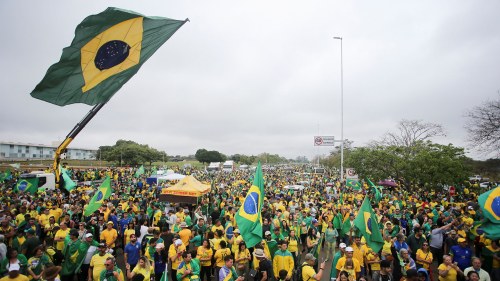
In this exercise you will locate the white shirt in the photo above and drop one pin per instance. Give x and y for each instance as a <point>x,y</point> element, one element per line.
<point>483,274</point>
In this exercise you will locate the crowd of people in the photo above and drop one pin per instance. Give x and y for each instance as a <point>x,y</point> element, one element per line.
<point>307,234</point>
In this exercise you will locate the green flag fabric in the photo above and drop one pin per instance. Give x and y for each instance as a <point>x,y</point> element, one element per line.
<point>7,175</point>
<point>375,190</point>
<point>248,218</point>
<point>139,171</point>
<point>366,222</point>
<point>27,185</point>
<point>102,193</point>
<point>317,248</point>
<point>69,184</point>
<point>108,49</point>
<point>164,276</point>
<point>354,184</point>
<point>490,205</point>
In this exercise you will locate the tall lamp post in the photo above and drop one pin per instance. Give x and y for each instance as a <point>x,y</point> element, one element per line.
<point>341,111</point>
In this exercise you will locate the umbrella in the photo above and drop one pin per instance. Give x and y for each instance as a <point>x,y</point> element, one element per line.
<point>388,182</point>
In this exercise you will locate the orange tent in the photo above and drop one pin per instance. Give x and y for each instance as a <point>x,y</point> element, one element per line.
<point>186,190</point>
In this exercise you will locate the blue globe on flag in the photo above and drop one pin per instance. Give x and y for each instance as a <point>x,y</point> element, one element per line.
<point>369,224</point>
<point>22,186</point>
<point>251,205</point>
<point>99,196</point>
<point>495,205</point>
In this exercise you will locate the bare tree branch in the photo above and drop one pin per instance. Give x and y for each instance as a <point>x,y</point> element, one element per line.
<point>410,132</point>
<point>483,127</point>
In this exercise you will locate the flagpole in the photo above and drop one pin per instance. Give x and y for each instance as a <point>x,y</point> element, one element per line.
<point>341,111</point>
<point>70,137</point>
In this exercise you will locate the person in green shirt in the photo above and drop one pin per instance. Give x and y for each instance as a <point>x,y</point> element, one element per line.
<point>188,269</point>
<point>112,272</point>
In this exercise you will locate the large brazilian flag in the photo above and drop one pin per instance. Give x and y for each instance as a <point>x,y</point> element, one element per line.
<point>27,185</point>
<point>102,193</point>
<point>490,205</point>
<point>108,49</point>
<point>366,222</point>
<point>249,218</point>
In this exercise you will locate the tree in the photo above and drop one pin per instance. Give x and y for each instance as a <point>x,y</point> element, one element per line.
<point>410,132</point>
<point>483,127</point>
<point>130,153</point>
<point>424,163</point>
<point>205,156</point>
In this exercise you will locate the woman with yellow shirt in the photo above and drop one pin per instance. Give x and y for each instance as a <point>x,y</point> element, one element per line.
<point>424,256</point>
<point>293,245</point>
<point>205,253</point>
<point>241,258</point>
<point>143,267</point>
<point>130,230</point>
<point>448,271</point>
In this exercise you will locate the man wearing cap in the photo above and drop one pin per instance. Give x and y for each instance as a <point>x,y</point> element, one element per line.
<point>91,247</point>
<point>97,263</point>
<point>336,257</point>
<point>461,254</point>
<point>308,272</point>
<point>175,256</point>
<point>283,260</point>
<point>185,234</point>
<point>265,268</point>
<point>14,274</point>
<point>349,251</point>
<point>109,235</point>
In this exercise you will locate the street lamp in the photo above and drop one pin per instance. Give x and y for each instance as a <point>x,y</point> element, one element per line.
<point>341,111</point>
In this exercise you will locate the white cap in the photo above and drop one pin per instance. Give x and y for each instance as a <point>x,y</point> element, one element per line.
<point>161,245</point>
<point>88,235</point>
<point>349,249</point>
<point>178,242</point>
<point>342,245</point>
<point>267,233</point>
<point>470,208</point>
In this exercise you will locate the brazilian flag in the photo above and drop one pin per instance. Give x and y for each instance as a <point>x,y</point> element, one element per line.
<point>102,193</point>
<point>108,49</point>
<point>354,184</point>
<point>27,185</point>
<point>248,218</point>
<point>366,222</point>
<point>139,171</point>
<point>490,205</point>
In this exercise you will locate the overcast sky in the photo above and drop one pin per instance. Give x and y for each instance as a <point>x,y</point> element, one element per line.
<point>262,76</point>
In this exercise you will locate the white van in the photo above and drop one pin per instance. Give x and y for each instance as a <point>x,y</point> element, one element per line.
<point>45,181</point>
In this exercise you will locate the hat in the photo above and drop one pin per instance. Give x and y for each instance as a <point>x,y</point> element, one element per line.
<point>236,231</point>
<point>183,224</point>
<point>309,257</point>
<point>186,211</point>
<point>14,267</point>
<point>161,245</point>
<point>110,222</point>
<point>51,272</point>
<point>470,208</point>
<point>314,221</point>
<point>267,233</point>
<point>259,253</point>
<point>30,231</point>
<point>453,232</point>
<point>102,245</point>
<point>177,242</point>
<point>88,235</point>
<point>460,240</point>
<point>342,245</point>
<point>349,249</point>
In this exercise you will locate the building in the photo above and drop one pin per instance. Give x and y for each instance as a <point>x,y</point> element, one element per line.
<point>30,151</point>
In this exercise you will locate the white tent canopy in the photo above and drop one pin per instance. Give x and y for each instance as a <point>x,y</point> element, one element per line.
<point>171,177</point>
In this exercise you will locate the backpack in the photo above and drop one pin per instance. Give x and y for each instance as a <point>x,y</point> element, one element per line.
<point>145,241</point>
<point>297,274</point>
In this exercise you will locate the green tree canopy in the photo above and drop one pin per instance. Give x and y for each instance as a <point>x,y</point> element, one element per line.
<point>205,156</point>
<point>130,153</point>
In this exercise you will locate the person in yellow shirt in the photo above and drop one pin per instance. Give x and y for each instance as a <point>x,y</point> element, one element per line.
<point>109,235</point>
<point>56,212</point>
<point>448,271</point>
<point>185,234</point>
<point>219,257</point>
<point>14,274</point>
<point>175,256</point>
<point>60,236</point>
<point>43,219</point>
<point>205,253</point>
<point>97,262</point>
<point>20,216</point>
<point>143,267</point>
<point>360,250</point>
<point>105,211</point>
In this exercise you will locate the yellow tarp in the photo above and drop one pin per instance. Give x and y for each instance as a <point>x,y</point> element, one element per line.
<point>188,186</point>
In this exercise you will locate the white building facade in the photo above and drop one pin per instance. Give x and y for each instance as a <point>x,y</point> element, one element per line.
<point>30,151</point>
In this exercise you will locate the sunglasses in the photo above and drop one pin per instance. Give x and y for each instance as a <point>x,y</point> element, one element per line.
<point>106,264</point>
